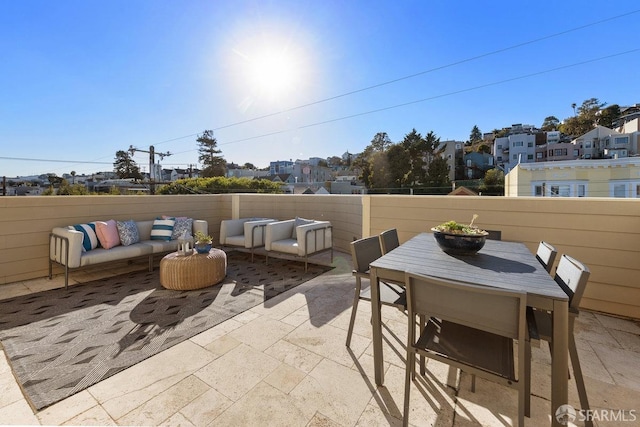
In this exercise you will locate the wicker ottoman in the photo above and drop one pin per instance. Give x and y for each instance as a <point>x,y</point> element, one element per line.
<point>193,271</point>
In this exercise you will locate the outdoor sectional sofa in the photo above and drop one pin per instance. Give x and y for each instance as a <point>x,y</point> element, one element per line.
<point>299,237</point>
<point>94,243</point>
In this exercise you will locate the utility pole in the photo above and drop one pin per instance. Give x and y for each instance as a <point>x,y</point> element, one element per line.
<point>152,162</point>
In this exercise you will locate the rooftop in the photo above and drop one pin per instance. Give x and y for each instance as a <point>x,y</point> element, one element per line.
<point>297,370</point>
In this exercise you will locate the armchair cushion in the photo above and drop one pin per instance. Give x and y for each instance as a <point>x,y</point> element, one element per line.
<point>299,221</point>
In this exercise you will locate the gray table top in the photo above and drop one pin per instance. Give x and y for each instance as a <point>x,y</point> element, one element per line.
<point>507,265</point>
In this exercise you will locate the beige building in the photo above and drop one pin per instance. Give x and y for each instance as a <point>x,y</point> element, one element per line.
<point>576,178</point>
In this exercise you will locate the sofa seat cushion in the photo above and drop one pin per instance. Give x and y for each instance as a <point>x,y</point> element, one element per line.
<point>116,253</point>
<point>289,246</point>
<point>159,246</point>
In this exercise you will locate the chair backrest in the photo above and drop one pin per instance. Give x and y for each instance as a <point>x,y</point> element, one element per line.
<point>546,254</point>
<point>572,276</point>
<point>389,240</point>
<point>364,251</point>
<point>494,234</point>
<point>494,310</point>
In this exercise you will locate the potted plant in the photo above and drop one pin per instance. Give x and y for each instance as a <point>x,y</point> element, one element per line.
<point>460,239</point>
<point>203,242</point>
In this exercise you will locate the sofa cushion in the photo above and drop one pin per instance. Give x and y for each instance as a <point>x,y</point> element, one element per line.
<point>107,232</point>
<point>89,236</point>
<point>162,229</point>
<point>182,225</point>
<point>299,221</point>
<point>128,232</point>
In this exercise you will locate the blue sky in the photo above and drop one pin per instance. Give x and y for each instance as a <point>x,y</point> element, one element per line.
<point>82,79</point>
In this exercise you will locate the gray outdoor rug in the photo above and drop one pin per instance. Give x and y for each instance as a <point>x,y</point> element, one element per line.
<point>60,342</point>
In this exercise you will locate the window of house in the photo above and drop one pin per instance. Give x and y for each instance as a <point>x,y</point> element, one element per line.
<point>499,158</point>
<point>518,143</point>
<point>560,191</point>
<point>499,146</point>
<point>514,157</point>
<point>529,156</point>
<point>587,145</point>
<point>449,156</point>
<point>490,161</point>
<point>557,152</point>
<point>539,155</point>
<point>576,152</point>
<point>530,144</point>
<point>637,190</point>
<point>619,190</point>
<point>468,163</point>
<point>581,190</point>
<point>621,140</point>
<point>539,191</point>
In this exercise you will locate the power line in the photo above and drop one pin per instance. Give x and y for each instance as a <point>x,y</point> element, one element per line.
<point>420,73</point>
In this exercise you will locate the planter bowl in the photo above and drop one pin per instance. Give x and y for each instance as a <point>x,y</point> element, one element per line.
<point>203,248</point>
<point>459,244</point>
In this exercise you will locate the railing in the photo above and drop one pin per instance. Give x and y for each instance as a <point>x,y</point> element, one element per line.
<point>601,232</point>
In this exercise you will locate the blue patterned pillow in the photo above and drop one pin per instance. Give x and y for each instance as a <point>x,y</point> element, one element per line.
<point>128,232</point>
<point>89,236</point>
<point>162,229</point>
<point>181,226</point>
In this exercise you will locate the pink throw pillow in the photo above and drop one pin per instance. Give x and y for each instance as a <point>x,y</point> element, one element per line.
<point>107,233</point>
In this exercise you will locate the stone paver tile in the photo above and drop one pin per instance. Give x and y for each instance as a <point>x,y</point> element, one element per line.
<point>285,378</point>
<point>282,305</point>
<point>95,416</point>
<point>320,420</point>
<point>264,405</point>
<point>627,340</point>
<point>297,318</point>
<point>373,416</point>
<point>204,409</point>
<point>328,341</point>
<point>207,337</point>
<point>18,413</point>
<point>618,324</point>
<point>588,328</point>
<point>297,357</point>
<point>617,362</point>
<point>247,316</point>
<point>495,405</point>
<point>133,387</point>
<point>178,420</point>
<point>9,390</point>
<point>16,289</point>
<point>334,390</point>
<point>237,371</point>
<point>166,404</point>
<point>67,409</point>
<point>222,345</point>
<point>261,333</point>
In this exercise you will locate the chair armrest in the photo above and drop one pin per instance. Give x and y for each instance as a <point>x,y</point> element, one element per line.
<point>231,227</point>
<point>254,232</point>
<point>314,237</point>
<point>58,240</point>
<point>278,230</point>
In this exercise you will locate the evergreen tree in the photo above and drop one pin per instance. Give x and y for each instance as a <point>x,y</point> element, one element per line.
<point>213,164</point>
<point>125,167</point>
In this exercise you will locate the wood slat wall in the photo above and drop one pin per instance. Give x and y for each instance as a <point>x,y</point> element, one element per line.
<point>604,233</point>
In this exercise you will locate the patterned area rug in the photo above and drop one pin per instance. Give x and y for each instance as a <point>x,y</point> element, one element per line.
<point>60,342</point>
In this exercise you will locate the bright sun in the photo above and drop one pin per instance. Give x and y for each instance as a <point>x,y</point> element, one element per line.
<point>270,68</point>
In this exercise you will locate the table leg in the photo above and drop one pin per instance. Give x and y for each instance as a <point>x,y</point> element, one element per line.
<point>376,324</point>
<point>559,359</point>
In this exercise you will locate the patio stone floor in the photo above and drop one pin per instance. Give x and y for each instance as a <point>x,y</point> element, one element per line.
<point>286,363</point>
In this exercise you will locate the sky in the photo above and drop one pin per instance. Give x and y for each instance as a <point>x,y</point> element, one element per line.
<point>286,80</point>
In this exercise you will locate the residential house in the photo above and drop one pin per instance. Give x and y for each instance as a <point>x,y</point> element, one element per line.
<point>477,164</point>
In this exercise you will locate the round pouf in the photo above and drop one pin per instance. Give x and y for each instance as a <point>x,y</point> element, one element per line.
<point>194,271</point>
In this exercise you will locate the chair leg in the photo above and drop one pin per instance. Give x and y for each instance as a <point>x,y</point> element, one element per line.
<point>409,375</point>
<point>577,373</point>
<point>423,324</point>
<point>356,299</point>
<point>527,378</point>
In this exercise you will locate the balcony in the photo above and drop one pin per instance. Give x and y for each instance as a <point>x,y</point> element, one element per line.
<point>314,379</point>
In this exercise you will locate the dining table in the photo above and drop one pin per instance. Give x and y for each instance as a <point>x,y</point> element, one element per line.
<point>500,264</point>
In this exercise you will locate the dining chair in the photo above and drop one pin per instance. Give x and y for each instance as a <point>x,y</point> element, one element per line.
<point>389,240</point>
<point>572,276</point>
<point>363,252</point>
<point>546,255</point>
<point>471,328</point>
<point>494,234</point>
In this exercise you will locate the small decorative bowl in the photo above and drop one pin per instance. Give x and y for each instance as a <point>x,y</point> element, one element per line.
<point>459,244</point>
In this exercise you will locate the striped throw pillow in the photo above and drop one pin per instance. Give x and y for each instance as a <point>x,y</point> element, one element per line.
<point>162,229</point>
<point>89,237</point>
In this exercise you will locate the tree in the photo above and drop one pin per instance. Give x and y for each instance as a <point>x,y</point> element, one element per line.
<point>248,166</point>
<point>550,123</point>
<point>493,183</point>
<point>586,120</point>
<point>609,115</point>
<point>438,173</point>
<point>73,177</point>
<point>475,136</point>
<point>381,142</point>
<point>125,167</point>
<point>213,164</point>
